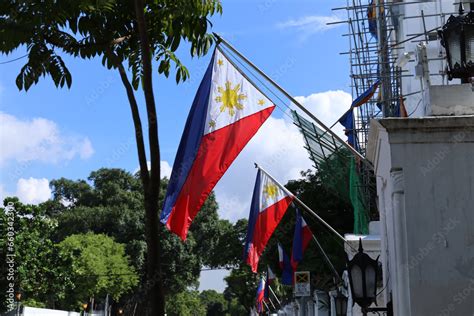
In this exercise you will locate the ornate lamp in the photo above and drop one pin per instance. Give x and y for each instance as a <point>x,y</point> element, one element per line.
<point>457,37</point>
<point>362,271</point>
<point>341,304</point>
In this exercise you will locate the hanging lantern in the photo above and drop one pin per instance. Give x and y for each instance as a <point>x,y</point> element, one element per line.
<point>457,37</point>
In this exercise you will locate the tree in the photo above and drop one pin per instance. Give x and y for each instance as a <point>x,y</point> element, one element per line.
<point>118,31</point>
<point>186,303</point>
<point>113,206</point>
<point>35,264</point>
<point>242,285</point>
<point>215,302</point>
<point>97,266</point>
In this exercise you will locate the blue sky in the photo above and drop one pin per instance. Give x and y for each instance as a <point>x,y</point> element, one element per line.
<point>47,133</point>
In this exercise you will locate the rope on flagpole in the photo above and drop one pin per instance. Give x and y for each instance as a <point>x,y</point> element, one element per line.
<point>293,100</point>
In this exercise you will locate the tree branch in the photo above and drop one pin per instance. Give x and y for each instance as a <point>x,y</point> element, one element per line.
<point>144,175</point>
<point>149,100</point>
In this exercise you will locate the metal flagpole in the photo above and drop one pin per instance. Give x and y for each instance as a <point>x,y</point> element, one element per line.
<point>293,100</point>
<point>271,302</point>
<point>327,259</point>
<point>304,206</point>
<point>276,297</point>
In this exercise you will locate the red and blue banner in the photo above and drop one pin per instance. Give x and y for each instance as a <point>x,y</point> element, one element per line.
<point>270,277</point>
<point>366,95</point>
<point>226,113</point>
<point>269,204</point>
<point>301,240</point>
<point>285,265</point>
<point>260,295</point>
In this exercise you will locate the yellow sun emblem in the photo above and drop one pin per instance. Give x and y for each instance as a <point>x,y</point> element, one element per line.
<point>230,98</point>
<point>271,191</point>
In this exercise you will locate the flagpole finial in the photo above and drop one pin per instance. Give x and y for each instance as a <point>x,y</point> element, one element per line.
<point>256,165</point>
<point>218,38</point>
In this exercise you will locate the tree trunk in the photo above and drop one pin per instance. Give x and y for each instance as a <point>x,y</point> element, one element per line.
<point>155,299</point>
<point>155,295</point>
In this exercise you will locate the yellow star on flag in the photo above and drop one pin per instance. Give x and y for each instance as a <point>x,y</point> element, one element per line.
<point>220,62</point>
<point>230,98</point>
<point>261,102</point>
<point>271,191</point>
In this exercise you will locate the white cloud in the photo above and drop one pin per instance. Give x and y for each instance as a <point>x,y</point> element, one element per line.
<point>310,25</point>
<point>165,169</point>
<point>328,107</point>
<point>38,139</point>
<point>279,148</point>
<point>164,166</point>
<point>33,191</point>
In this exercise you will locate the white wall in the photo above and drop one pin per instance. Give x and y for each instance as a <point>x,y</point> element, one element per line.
<point>425,184</point>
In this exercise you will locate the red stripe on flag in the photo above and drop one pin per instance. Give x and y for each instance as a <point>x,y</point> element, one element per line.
<point>265,225</point>
<point>216,153</point>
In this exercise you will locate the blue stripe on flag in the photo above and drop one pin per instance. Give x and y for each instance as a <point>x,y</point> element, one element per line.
<point>189,144</point>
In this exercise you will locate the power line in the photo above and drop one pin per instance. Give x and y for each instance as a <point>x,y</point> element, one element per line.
<point>10,61</point>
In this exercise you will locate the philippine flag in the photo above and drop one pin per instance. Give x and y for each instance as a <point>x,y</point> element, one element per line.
<point>269,204</point>
<point>260,295</point>
<point>301,240</point>
<point>226,113</point>
<point>270,277</point>
<point>285,265</point>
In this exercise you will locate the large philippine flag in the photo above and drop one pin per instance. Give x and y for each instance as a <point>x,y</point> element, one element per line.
<point>226,113</point>
<point>269,204</point>
<point>301,240</point>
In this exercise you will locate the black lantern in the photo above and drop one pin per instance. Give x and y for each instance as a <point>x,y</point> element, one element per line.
<point>363,278</point>
<point>341,304</point>
<point>457,37</point>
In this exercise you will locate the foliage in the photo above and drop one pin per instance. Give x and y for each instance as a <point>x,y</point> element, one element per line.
<point>241,285</point>
<point>186,303</point>
<point>215,302</point>
<point>36,259</point>
<point>90,28</point>
<point>97,266</point>
<point>113,206</point>
<point>236,309</point>
<point>109,202</point>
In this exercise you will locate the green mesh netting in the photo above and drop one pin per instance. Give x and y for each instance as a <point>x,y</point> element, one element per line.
<point>361,217</point>
<point>337,169</point>
<point>334,174</point>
